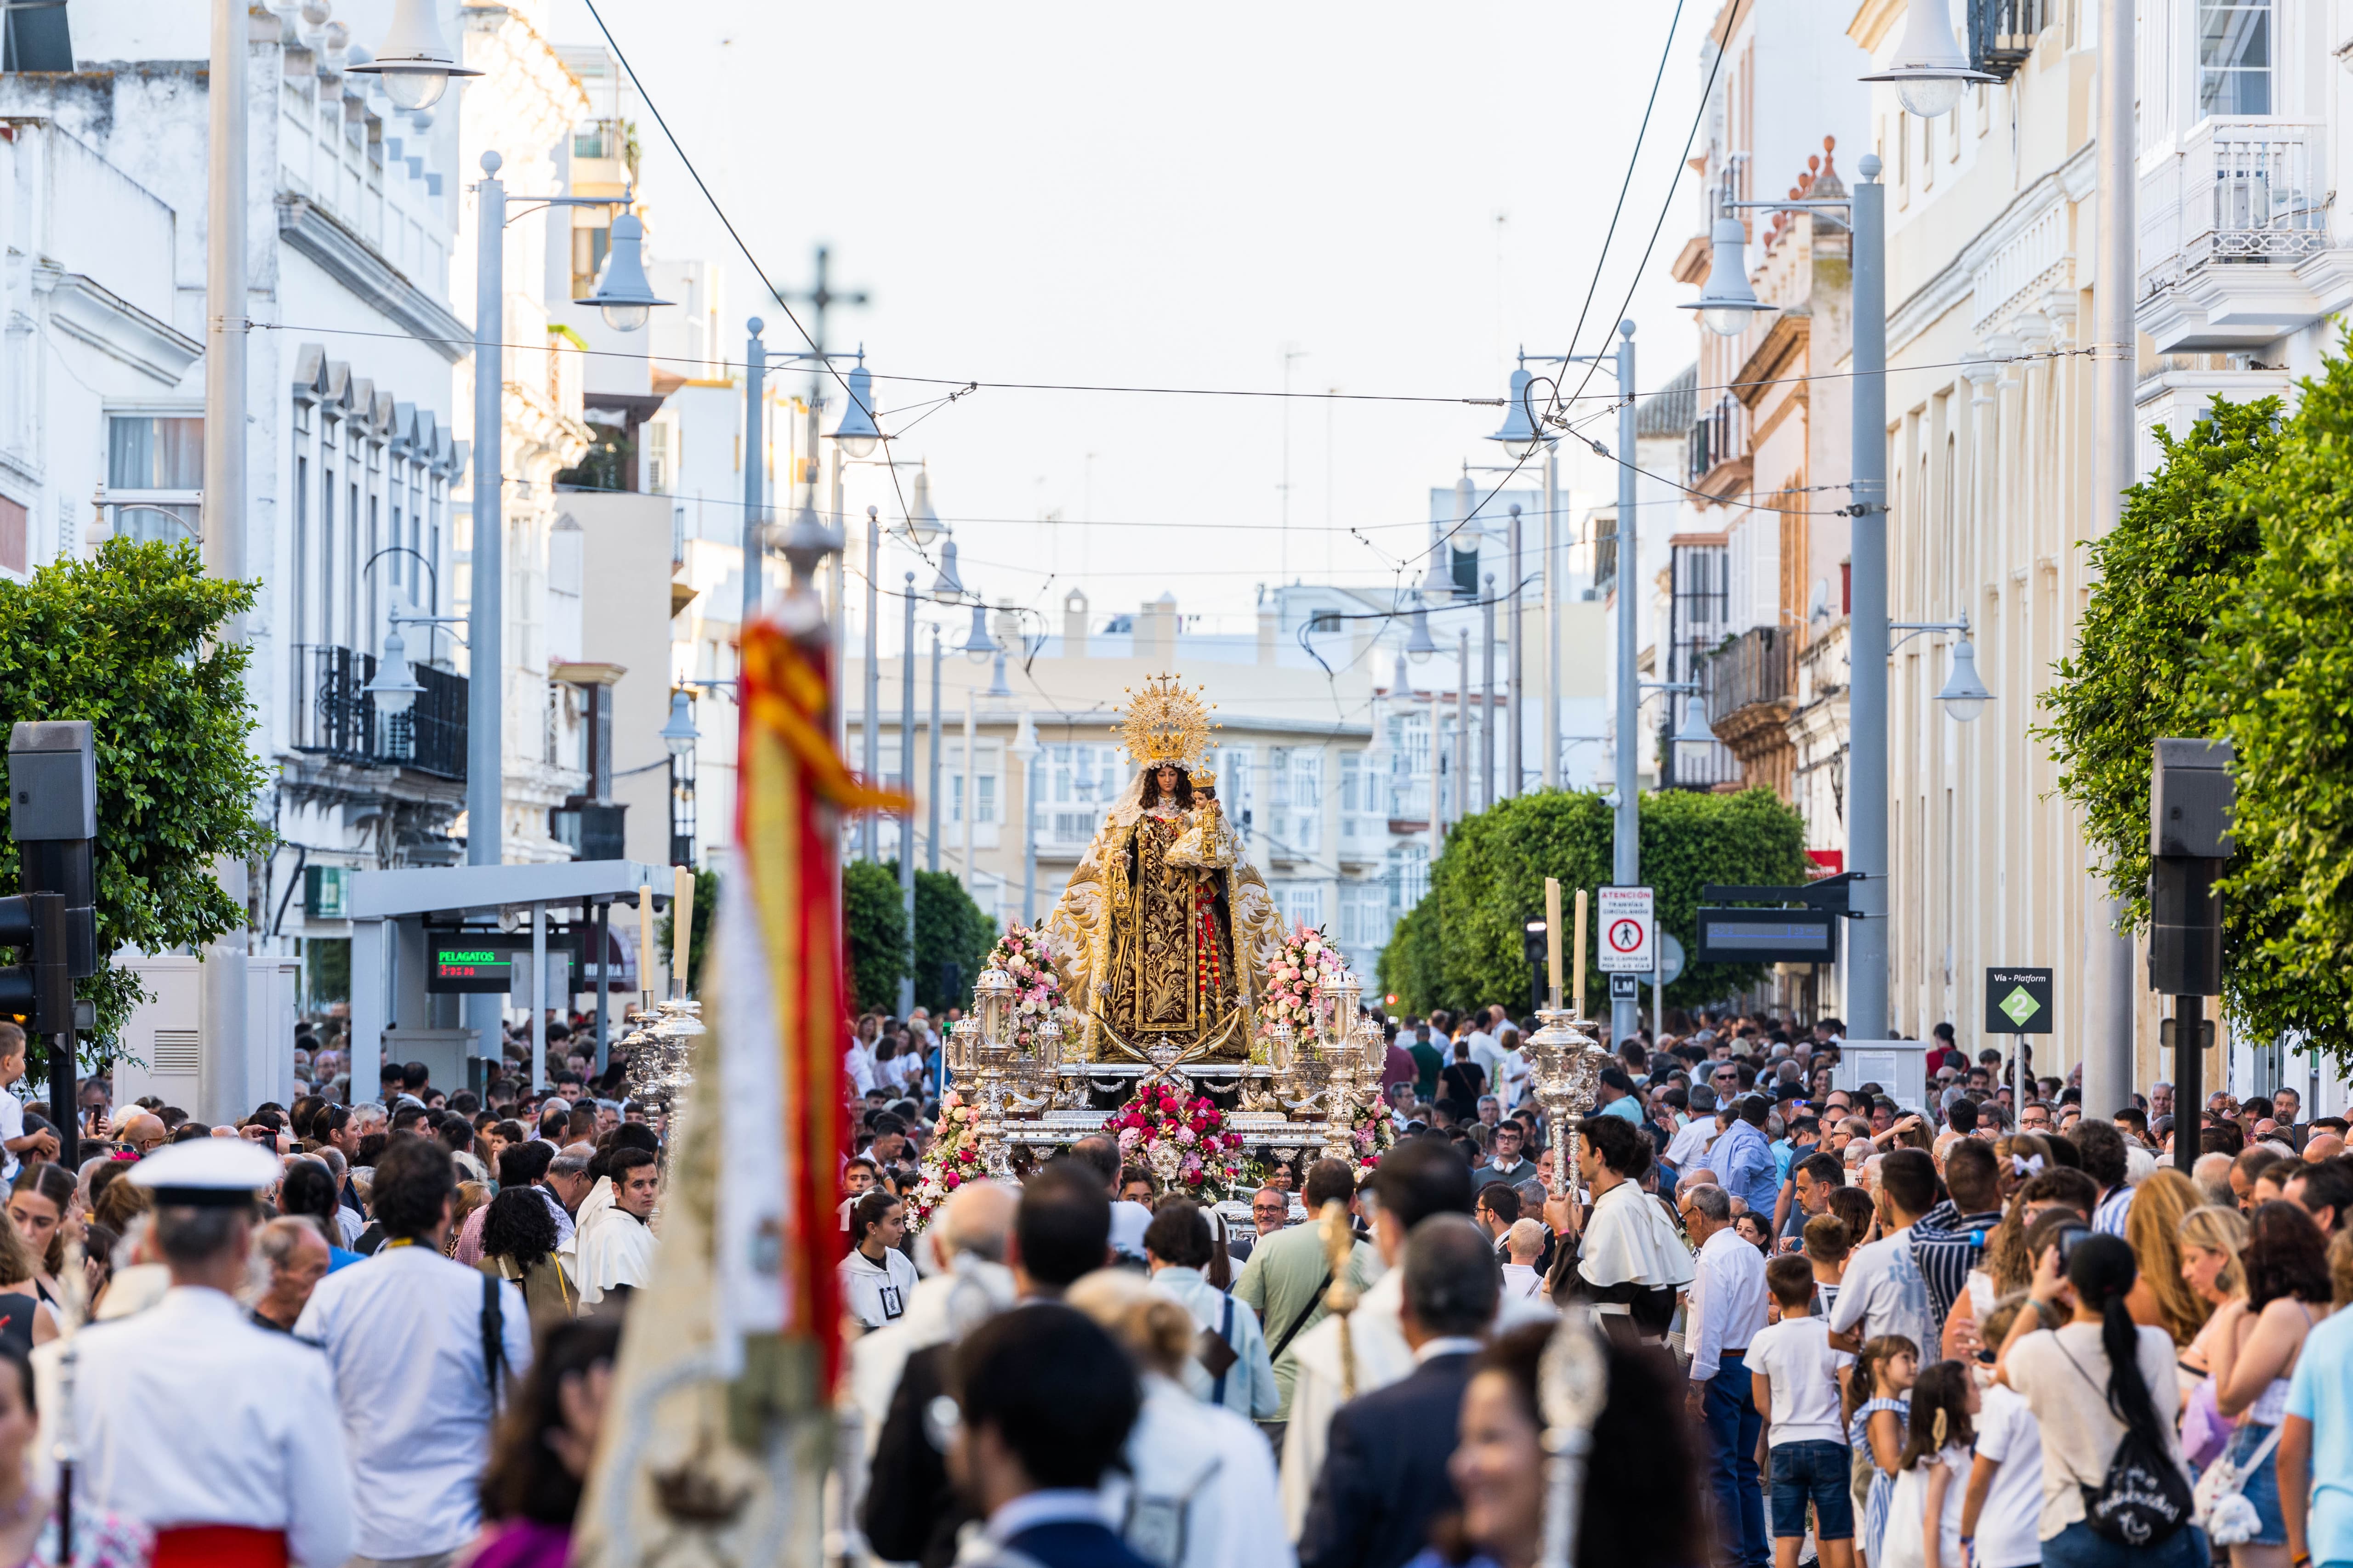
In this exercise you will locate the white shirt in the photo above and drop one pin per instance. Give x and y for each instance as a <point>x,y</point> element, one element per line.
<point>1202,1488</point>
<point>12,1127</point>
<point>1795,1354</point>
<point>1249,1383</point>
<point>1488,1052</point>
<point>876,1293</point>
<point>2009,1435</point>
<point>1522,1280</point>
<point>403,1332</point>
<point>1728,1301</point>
<point>858,1066</point>
<point>1885,1292</point>
<point>1511,1073</point>
<point>187,1414</point>
<point>1689,1146</point>
<point>1129,1221</point>
<point>562,1216</point>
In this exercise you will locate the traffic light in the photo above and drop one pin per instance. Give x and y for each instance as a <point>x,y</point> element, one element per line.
<point>40,989</point>
<point>53,818</point>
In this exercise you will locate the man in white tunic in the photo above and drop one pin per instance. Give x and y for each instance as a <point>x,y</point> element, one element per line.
<point>616,1245</point>
<point>1630,1262</point>
<point>424,1349</point>
<point>1420,1177</point>
<point>191,1420</point>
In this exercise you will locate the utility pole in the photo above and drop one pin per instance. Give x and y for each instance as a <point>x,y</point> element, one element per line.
<point>1552,594</point>
<point>907,783</point>
<point>1866,793</point>
<point>485,657</point>
<point>2109,995</point>
<point>1487,700</point>
<point>1514,780</point>
<point>932,795</point>
<point>1462,723</point>
<point>821,298</point>
<point>869,831</point>
<point>1626,841</point>
<point>222,976</point>
<point>756,429</point>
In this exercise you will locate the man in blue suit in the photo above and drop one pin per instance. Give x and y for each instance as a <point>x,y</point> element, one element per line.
<point>1384,1477</point>
<point>1045,1400</point>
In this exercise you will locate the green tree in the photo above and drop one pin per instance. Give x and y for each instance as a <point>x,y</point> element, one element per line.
<point>129,641</point>
<point>949,928</point>
<point>2183,549</point>
<point>2276,674</point>
<point>1464,944</point>
<point>876,925</point>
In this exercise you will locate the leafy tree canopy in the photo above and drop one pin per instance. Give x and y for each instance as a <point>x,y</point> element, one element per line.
<point>127,640</point>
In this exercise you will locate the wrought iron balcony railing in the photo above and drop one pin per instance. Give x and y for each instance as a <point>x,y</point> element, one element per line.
<point>333,714</point>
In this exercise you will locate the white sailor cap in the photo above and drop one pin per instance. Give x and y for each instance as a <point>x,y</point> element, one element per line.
<point>207,1172</point>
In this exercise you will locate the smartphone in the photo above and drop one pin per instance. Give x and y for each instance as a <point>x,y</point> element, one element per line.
<point>2069,1239</point>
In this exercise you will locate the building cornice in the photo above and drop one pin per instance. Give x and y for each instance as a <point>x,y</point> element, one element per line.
<point>310,231</point>
<point>1927,304</point>
<point>89,312</point>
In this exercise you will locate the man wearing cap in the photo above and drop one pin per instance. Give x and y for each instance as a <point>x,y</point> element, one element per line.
<point>190,1419</point>
<point>423,1349</point>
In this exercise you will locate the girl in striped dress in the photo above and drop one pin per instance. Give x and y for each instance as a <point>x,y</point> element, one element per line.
<point>1884,1372</point>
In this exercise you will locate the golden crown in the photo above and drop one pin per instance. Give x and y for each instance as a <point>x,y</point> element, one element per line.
<point>1165,723</point>
<point>1202,777</point>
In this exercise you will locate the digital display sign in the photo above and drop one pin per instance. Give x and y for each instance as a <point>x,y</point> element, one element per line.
<point>469,962</point>
<point>1767,936</point>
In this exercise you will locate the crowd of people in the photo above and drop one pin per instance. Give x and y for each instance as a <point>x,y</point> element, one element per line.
<point>1968,1332</point>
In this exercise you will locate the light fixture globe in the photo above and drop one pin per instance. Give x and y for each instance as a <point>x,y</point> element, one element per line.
<point>948,586</point>
<point>1928,70</point>
<point>679,734</point>
<point>1963,696</point>
<point>1419,646</point>
<point>1727,304</point>
<point>978,645</point>
<point>622,293</point>
<point>394,686</point>
<point>924,523</point>
<point>1694,731</point>
<point>1519,435</point>
<point>416,63</point>
<point>857,433</point>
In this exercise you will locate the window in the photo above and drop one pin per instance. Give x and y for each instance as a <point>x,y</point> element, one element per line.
<point>15,546</point>
<point>588,246</point>
<point>1304,767</point>
<point>154,475</point>
<point>2235,57</point>
<point>1304,906</point>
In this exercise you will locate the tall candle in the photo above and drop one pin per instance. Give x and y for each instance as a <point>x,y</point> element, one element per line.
<point>682,927</point>
<point>645,939</point>
<point>1552,936</point>
<point>1581,953</point>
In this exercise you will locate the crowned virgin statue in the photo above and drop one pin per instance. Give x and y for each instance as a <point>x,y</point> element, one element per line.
<point>1164,928</point>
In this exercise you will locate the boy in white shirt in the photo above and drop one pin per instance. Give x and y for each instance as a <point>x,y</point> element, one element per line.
<point>2003,1507</point>
<point>1795,1375</point>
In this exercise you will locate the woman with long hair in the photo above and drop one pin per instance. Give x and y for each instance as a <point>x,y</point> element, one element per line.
<point>2153,1227</point>
<point>1640,1470</point>
<point>2287,1265</point>
<point>519,1244</point>
<point>26,1319</point>
<point>540,1456</point>
<point>41,1201</point>
<point>2092,1376</point>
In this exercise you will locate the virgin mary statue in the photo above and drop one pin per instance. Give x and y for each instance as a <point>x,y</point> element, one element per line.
<point>1164,929</point>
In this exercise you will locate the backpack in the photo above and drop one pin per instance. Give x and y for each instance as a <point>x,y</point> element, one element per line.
<point>2144,1498</point>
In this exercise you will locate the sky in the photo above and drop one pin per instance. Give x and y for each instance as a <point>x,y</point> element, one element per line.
<point>1378,199</point>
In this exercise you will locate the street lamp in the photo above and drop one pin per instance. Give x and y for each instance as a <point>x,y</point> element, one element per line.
<point>394,686</point>
<point>857,433</point>
<point>948,586</point>
<point>1418,646</point>
<point>977,644</point>
<point>622,293</point>
<point>1929,69</point>
<point>924,523</point>
<point>416,63</point>
<point>1963,694</point>
<point>1025,750</point>
<point>1727,303</point>
<point>679,733</point>
<point>1519,435</point>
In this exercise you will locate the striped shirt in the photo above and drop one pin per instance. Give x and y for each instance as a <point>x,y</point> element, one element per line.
<point>1945,1245</point>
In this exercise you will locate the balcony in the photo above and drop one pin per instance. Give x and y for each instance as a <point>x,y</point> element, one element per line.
<point>2232,226</point>
<point>333,716</point>
<point>1720,458</point>
<point>2002,33</point>
<point>1752,690</point>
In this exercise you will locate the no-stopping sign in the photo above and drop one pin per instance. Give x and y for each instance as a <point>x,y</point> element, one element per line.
<point>1629,930</point>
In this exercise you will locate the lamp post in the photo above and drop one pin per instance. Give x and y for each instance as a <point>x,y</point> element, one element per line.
<point>1024,750</point>
<point>906,782</point>
<point>1523,437</point>
<point>755,451</point>
<point>1929,72</point>
<point>1487,697</point>
<point>931,758</point>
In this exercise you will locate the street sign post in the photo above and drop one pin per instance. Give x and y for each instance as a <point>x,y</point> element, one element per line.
<point>1629,930</point>
<point>1625,987</point>
<point>2018,1002</point>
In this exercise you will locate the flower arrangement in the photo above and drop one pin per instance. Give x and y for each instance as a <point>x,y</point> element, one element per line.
<point>1183,1142</point>
<point>1024,954</point>
<point>1371,1134</point>
<point>953,1159</point>
<point>1307,960</point>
